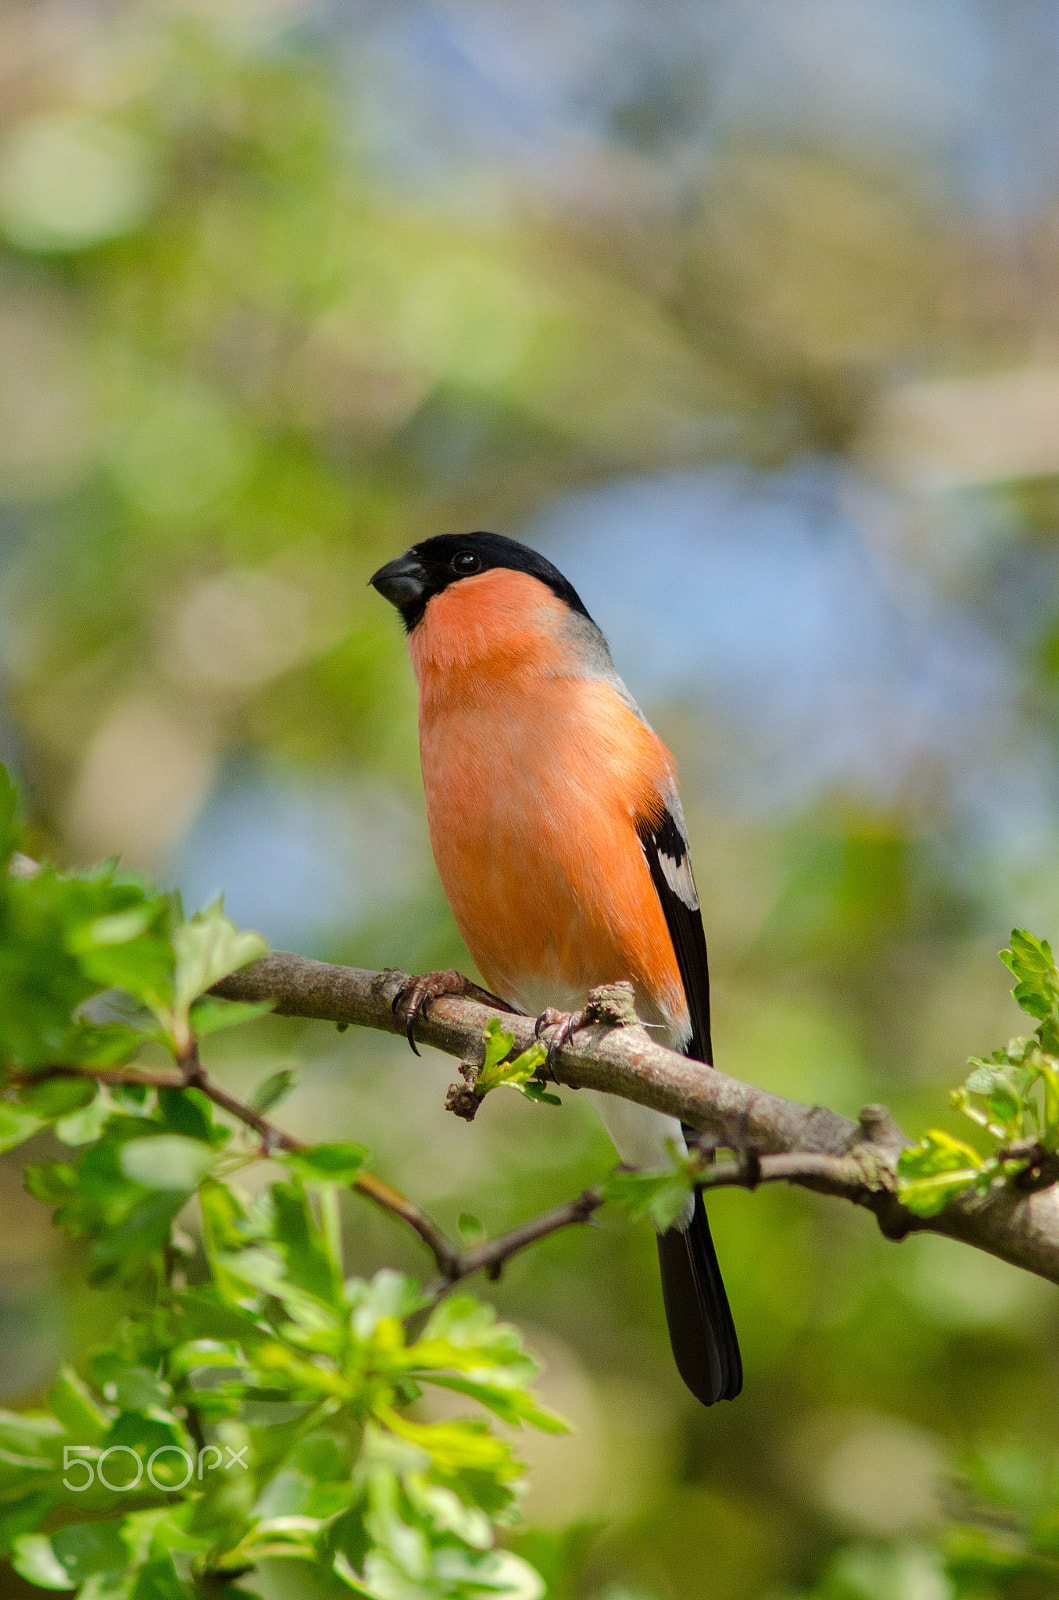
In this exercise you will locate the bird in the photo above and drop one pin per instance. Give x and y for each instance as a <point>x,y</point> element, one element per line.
<point>560,841</point>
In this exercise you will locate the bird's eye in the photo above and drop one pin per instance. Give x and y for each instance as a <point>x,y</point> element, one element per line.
<point>465,562</point>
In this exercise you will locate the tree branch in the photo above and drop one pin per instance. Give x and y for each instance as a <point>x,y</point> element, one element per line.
<point>490,1256</point>
<point>452,1264</point>
<point>851,1160</point>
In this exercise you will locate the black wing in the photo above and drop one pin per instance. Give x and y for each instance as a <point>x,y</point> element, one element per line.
<point>701,1329</point>
<point>665,844</point>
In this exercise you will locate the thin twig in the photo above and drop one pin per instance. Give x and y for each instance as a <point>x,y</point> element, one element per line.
<point>452,1264</point>
<point>272,1137</point>
<point>489,1256</point>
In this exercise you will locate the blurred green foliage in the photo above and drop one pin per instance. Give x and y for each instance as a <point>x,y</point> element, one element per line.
<point>252,1402</point>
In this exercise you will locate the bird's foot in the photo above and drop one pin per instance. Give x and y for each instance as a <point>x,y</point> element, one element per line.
<point>609,1003</point>
<point>565,1023</point>
<point>415,995</point>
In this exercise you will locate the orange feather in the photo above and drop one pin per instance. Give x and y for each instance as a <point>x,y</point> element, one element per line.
<point>535,779</point>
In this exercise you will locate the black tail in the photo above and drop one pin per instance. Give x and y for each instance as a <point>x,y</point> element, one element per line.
<point>701,1330</point>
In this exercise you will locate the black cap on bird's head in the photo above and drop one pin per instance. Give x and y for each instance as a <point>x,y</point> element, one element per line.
<point>412,581</point>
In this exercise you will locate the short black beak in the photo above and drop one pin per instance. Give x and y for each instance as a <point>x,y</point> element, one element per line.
<point>402,582</point>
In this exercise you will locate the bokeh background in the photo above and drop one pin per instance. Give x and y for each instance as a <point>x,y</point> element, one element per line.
<point>746,313</point>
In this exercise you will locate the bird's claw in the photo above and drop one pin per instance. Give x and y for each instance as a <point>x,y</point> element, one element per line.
<point>565,1023</point>
<point>416,994</point>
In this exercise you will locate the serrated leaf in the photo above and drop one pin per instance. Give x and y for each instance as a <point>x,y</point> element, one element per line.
<point>930,1195</point>
<point>1006,1105</point>
<point>937,1170</point>
<point>937,1151</point>
<point>983,1078</point>
<point>208,948</point>
<point>453,1446</point>
<point>538,1093</point>
<point>498,1044</point>
<point>120,927</point>
<point>511,1403</point>
<point>142,966</point>
<point>310,1264</point>
<point>496,1070</point>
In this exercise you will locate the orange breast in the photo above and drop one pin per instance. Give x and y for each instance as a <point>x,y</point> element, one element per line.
<point>534,781</point>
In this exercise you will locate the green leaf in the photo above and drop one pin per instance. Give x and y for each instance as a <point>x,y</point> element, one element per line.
<point>662,1196</point>
<point>58,1097</point>
<point>453,1446</point>
<point>85,1126</point>
<point>1037,986</point>
<point>273,1090</point>
<point>16,1126</point>
<point>212,1013</point>
<point>497,1070</point>
<point>513,1404</point>
<point>121,927</point>
<point>167,1161</point>
<point>29,1439</point>
<point>453,1574</point>
<point>209,948</point>
<point>85,1548</point>
<point>23,1515</point>
<point>266,1270</point>
<point>53,1182</point>
<point>936,1170</point>
<point>129,950</point>
<point>77,1408</point>
<point>536,1091</point>
<point>118,1252</point>
<point>389,1297</point>
<point>127,1385</point>
<point>327,1163</point>
<point>36,1561</point>
<point>310,1265</point>
<point>187,1111</point>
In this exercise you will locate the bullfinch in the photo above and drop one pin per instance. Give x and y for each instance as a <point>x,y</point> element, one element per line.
<point>560,841</point>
